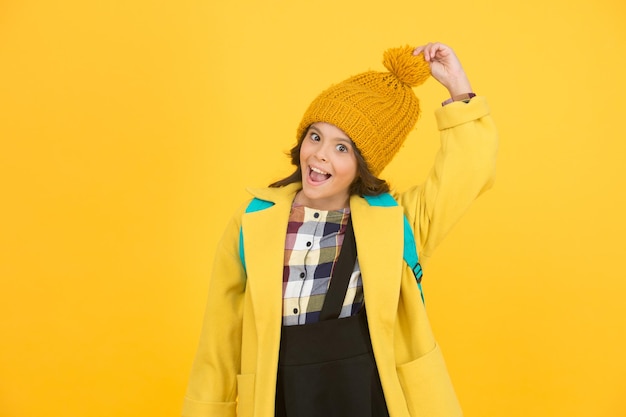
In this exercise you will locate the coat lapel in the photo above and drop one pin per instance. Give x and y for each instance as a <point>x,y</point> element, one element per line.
<point>379,238</point>
<point>264,234</point>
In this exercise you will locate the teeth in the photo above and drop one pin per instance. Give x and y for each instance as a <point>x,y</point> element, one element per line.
<point>319,171</point>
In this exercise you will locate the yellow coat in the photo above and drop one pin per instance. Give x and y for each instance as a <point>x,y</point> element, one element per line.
<point>234,373</point>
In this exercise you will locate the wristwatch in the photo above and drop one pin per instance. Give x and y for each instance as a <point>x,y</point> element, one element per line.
<point>461,97</point>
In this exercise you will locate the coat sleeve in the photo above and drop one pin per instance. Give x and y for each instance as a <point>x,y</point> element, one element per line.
<point>464,168</point>
<point>212,387</point>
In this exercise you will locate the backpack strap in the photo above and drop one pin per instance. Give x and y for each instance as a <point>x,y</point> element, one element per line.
<point>410,249</point>
<point>255,205</point>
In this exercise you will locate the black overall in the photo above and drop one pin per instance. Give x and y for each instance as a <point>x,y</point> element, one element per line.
<point>327,369</point>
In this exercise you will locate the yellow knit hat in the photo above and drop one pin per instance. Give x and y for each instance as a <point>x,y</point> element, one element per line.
<point>377,110</point>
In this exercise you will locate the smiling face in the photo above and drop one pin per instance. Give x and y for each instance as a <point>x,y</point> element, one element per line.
<point>329,166</point>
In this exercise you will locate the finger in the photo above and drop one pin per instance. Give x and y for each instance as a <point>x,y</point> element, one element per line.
<point>441,51</point>
<point>427,51</point>
<point>437,51</point>
<point>418,50</point>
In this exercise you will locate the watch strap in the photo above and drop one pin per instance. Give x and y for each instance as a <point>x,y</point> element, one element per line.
<point>461,97</point>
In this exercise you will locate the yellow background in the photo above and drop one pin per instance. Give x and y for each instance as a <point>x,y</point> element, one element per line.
<point>130,129</point>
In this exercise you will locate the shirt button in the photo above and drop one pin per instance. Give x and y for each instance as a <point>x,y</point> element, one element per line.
<point>302,274</point>
<point>316,215</point>
<point>308,244</point>
<point>295,311</point>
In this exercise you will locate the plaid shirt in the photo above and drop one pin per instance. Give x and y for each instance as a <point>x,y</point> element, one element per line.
<point>314,239</point>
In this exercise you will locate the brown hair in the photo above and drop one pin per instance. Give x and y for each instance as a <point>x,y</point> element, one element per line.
<point>365,182</point>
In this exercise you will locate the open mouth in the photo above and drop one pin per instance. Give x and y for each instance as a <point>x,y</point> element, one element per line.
<point>317,175</point>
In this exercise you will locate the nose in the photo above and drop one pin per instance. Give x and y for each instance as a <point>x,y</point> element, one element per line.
<point>321,152</point>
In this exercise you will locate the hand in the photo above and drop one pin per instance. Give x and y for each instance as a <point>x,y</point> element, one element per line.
<point>445,67</point>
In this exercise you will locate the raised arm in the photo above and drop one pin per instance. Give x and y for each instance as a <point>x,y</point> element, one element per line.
<point>465,164</point>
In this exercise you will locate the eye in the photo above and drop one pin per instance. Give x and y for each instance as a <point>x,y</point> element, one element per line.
<point>315,137</point>
<point>342,148</point>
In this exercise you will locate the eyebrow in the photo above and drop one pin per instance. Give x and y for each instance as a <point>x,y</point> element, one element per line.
<point>340,138</point>
<point>346,141</point>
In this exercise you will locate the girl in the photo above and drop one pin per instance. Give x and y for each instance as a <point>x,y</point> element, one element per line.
<point>345,332</point>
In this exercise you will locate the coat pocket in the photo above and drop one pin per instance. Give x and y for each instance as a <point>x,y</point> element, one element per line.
<point>427,387</point>
<point>245,395</point>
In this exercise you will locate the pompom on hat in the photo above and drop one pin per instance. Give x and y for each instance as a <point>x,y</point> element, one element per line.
<point>377,110</point>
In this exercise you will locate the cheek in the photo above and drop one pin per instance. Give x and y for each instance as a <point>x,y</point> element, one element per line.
<point>355,166</point>
<point>304,151</point>
<point>355,177</point>
<point>351,170</point>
